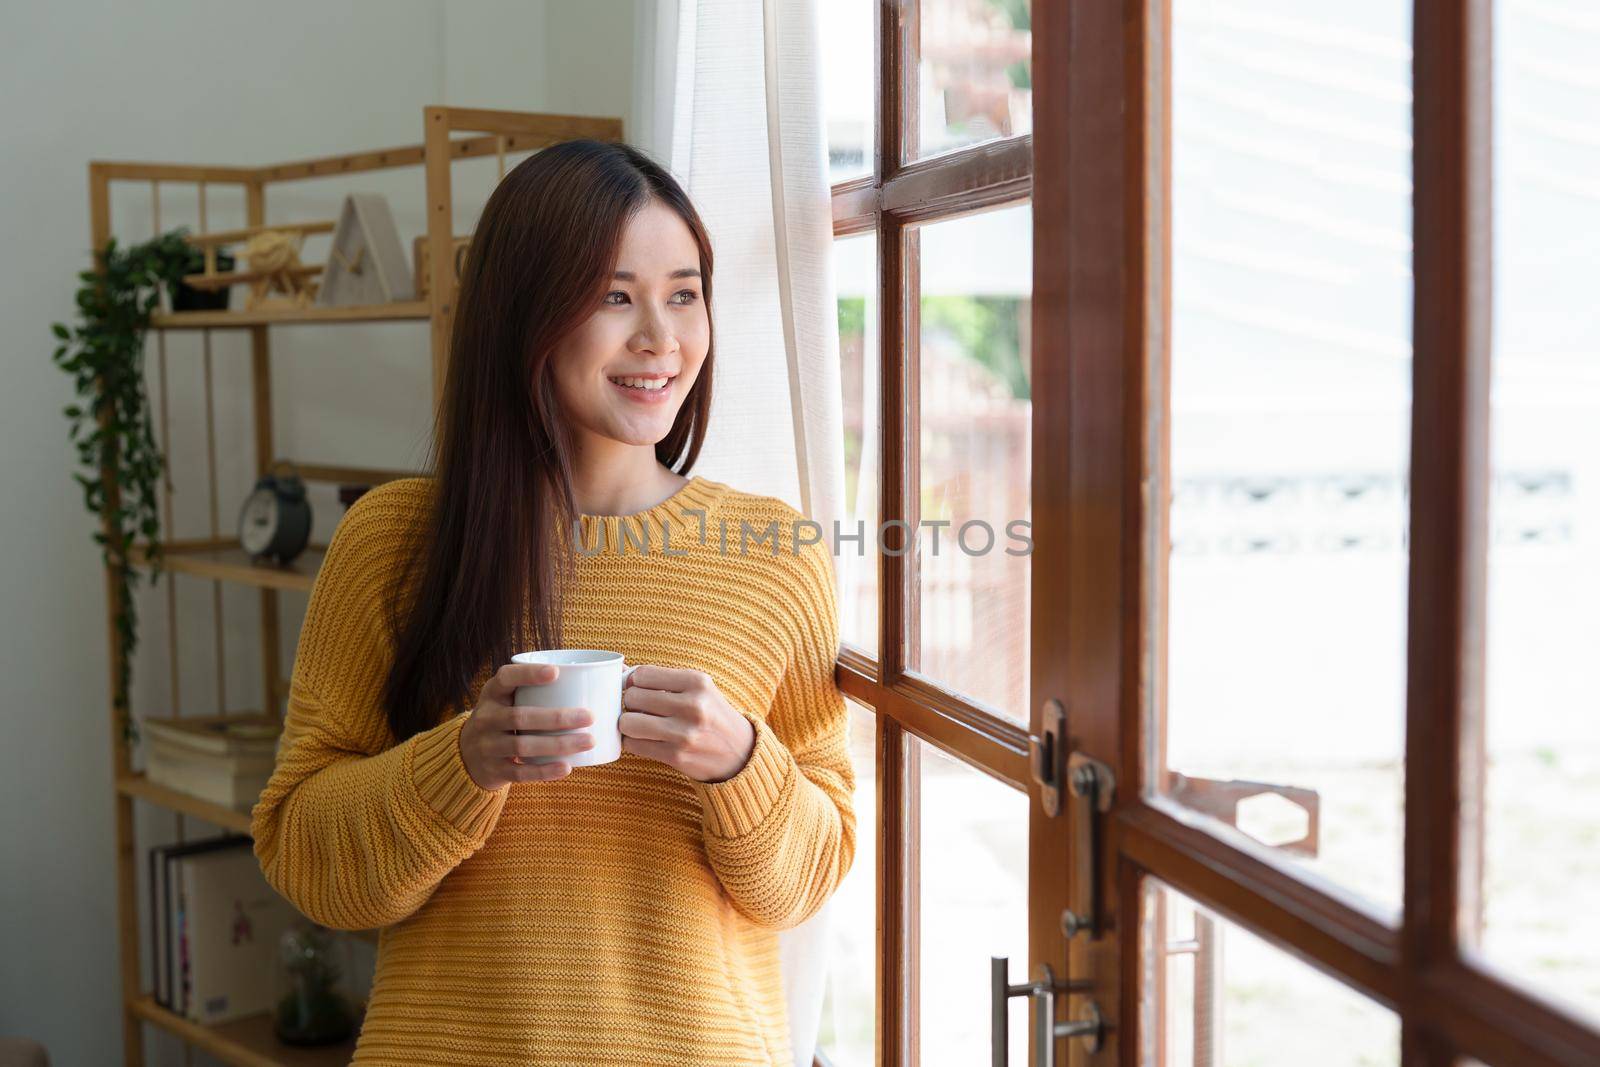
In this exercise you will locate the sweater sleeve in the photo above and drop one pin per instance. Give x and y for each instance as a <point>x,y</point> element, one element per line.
<point>781,833</point>
<point>354,830</point>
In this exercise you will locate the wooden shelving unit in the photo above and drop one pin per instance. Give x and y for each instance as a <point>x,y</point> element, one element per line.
<point>218,558</point>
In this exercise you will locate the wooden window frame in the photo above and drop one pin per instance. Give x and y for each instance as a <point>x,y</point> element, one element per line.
<point>1099,183</point>
<point>901,193</point>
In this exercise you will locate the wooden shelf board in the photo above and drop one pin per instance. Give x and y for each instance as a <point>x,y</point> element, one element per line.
<point>137,785</point>
<point>233,564</point>
<point>247,1042</point>
<point>400,310</point>
<point>228,237</point>
<point>245,277</point>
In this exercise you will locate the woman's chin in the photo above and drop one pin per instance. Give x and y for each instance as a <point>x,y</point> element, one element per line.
<point>640,432</point>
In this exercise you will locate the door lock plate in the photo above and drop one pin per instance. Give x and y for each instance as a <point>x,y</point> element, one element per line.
<point>1047,755</point>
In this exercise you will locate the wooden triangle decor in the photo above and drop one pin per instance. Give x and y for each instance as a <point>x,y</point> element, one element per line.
<point>366,262</point>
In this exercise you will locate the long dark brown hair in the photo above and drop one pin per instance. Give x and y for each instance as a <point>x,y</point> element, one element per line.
<point>492,574</point>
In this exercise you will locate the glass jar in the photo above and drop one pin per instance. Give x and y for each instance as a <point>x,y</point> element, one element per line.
<point>314,1004</point>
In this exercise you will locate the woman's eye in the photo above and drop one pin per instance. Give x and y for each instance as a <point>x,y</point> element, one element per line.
<point>690,293</point>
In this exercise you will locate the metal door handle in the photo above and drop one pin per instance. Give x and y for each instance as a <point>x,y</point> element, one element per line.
<point>1042,991</point>
<point>1093,783</point>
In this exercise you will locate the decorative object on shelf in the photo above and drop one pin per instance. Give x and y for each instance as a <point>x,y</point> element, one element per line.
<point>105,356</point>
<point>314,1004</point>
<point>226,759</point>
<point>366,264</point>
<point>277,265</point>
<point>274,259</point>
<point>424,269</point>
<point>275,521</point>
<point>187,297</point>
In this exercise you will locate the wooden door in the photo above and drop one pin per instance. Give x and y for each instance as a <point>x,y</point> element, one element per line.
<point>1266,617</point>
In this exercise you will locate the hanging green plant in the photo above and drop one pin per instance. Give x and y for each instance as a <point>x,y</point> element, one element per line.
<point>105,355</point>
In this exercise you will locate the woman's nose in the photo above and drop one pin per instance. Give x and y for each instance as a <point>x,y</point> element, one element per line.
<point>656,334</point>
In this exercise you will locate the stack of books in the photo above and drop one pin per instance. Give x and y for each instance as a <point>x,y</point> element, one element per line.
<point>225,759</point>
<point>215,929</point>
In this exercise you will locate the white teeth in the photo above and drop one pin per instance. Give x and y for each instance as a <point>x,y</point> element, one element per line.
<point>647,384</point>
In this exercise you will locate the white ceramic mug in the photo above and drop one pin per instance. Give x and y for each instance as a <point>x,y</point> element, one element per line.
<point>590,678</point>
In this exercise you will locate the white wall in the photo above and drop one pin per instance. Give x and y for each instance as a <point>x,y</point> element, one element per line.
<point>193,82</point>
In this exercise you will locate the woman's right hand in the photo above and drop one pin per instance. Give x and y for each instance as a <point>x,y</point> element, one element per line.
<point>493,753</point>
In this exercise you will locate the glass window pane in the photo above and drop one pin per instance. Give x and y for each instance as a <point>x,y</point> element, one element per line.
<point>973,850</point>
<point>847,1032</point>
<point>1225,996</point>
<point>973,544</point>
<point>1290,390</point>
<point>848,88</point>
<point>855,261</point>
<point>1542,819</point>
<point>974,75</point>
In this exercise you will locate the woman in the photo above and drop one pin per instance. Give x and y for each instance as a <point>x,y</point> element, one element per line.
<point>625,913</point>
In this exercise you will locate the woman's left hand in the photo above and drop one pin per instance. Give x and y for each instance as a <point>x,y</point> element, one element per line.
<point>680,718</point>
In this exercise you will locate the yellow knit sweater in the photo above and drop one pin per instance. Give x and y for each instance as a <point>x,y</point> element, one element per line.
<point>626,913</point>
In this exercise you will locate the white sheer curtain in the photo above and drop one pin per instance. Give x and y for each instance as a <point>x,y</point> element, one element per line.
<point>728,97</point>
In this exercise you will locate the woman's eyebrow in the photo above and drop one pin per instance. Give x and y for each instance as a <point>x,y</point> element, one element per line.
<point>681,272</point>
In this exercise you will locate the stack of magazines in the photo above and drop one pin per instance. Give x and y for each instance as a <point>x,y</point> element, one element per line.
<point>225,759</point>
<point>214,929</point>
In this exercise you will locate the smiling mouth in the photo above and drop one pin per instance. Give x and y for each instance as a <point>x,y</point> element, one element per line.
<point>644,383</point>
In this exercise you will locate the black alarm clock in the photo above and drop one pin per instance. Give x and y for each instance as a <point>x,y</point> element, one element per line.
<point>275,522</point>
